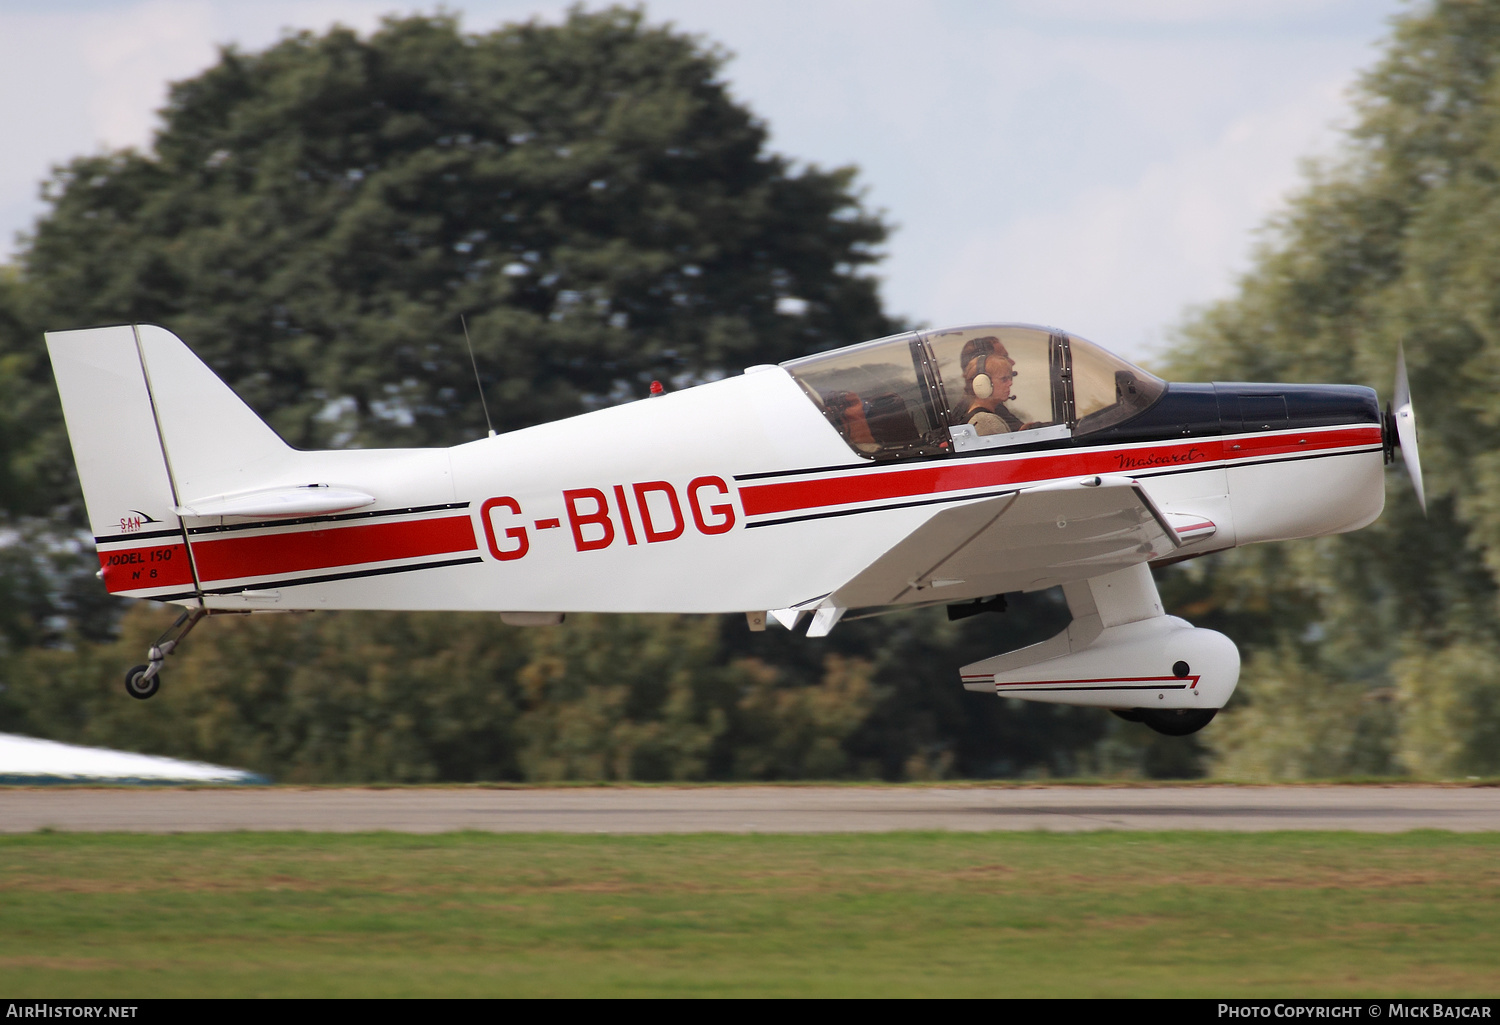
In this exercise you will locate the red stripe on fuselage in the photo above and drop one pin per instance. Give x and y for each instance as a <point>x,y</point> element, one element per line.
<point>231,558</point>
<point>967,475</point>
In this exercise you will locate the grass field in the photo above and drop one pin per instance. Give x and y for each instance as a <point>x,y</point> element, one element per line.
<point>932,914</point>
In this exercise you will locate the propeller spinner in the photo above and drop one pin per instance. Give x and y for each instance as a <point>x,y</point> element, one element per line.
<point>1406,427</point>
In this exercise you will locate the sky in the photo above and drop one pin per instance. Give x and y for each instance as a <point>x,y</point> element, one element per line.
<point>1097,165</point>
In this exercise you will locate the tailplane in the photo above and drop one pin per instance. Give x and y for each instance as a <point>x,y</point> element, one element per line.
<point>149,424</point>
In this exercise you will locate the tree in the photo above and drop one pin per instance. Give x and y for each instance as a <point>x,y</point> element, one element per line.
<point>315,218</point>
<point>1450,701</point>
<point>1394,244</point>
<point>400,697</point>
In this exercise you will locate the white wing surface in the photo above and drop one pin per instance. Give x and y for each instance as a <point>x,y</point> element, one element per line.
<point>1026,541</point>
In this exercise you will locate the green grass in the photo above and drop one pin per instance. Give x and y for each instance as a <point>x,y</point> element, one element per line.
<point>1001,914</point>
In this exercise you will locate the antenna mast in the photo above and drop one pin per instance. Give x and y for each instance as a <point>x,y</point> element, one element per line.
<point>477,382</point>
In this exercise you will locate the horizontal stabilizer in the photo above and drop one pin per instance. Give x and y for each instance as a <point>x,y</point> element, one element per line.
<point>301,500</point>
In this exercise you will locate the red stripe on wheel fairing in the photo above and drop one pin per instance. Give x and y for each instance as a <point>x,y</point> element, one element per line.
<point>966,475</point>
<point>231,558</point>
<point>1105,682</point>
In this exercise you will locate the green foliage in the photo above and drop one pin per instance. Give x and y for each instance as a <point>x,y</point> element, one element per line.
<point>401,697</point>
<point>798,732</point>
<point>48,588</point>
<point>1293,719</point>
<point>363,697</point>
<point>1396,244</point>
<point>315,218</point>
<point>622,697</point>
<point>1450,704</point>
<point>418,697</point>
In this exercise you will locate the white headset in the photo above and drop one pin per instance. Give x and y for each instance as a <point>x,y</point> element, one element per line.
<point>982,386</point>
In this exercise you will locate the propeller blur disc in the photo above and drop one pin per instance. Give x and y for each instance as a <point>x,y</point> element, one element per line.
<point>1406,427</point>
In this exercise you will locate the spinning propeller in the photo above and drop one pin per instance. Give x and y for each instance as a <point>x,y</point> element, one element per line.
<point>1405,422</point>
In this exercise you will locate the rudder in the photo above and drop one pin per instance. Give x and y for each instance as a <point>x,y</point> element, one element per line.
<point>147,418</point>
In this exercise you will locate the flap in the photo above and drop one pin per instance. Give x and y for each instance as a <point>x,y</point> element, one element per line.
<point>1026,541</point>
<point>298,500</point>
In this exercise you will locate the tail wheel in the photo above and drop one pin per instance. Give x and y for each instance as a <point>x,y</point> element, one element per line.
<point>1178,722</point>
<point>139,686</point>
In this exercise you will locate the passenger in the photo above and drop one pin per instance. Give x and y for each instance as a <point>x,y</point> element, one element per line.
<point>847,412</point>
<point>988,372</point>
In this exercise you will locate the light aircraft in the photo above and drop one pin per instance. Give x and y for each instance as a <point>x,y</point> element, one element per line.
<point>945,467</point>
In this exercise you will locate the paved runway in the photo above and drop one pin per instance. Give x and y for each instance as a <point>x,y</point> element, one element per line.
<point>813,809</point>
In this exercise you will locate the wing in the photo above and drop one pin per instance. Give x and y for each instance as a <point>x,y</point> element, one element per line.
<point>1025,541</point>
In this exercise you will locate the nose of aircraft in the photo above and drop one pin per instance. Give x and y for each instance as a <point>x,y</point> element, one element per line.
<point>1245,408</point>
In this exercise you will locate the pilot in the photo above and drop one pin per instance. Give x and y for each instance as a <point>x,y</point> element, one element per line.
<point>988,373</point>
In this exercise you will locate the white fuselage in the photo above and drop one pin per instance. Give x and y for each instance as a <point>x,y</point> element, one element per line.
<point>732,496</point>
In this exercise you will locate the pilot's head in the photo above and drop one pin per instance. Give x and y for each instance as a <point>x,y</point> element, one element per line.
<point>988,369</point>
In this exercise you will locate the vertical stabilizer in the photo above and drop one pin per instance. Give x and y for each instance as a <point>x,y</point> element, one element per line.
<point>214,443</point>
<point>151,427</point>
<point>127,486</point>
<point>107,406</point>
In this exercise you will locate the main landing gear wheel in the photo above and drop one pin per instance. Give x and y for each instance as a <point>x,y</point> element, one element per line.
<point>140,686</point>
<point>1177,722</point>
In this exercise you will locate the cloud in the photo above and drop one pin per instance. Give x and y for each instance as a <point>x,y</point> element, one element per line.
<point>1170,13</point>
<point>84,77</point>
<point>127,58</point>
<point>1118,261</point>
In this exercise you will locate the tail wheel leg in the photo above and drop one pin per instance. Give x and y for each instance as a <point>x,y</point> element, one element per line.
<point>142,682</point>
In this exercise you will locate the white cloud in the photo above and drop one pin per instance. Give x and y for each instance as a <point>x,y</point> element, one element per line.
<point>1120,261</point>
<point>1177,12</point>
<point>129,55</point>
<point>77,81</point>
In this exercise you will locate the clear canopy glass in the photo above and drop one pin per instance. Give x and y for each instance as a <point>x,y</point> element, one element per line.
<point>1106,389</point>
<point>878,395</point>
<point>998,380</point>
<point>973,388</point>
